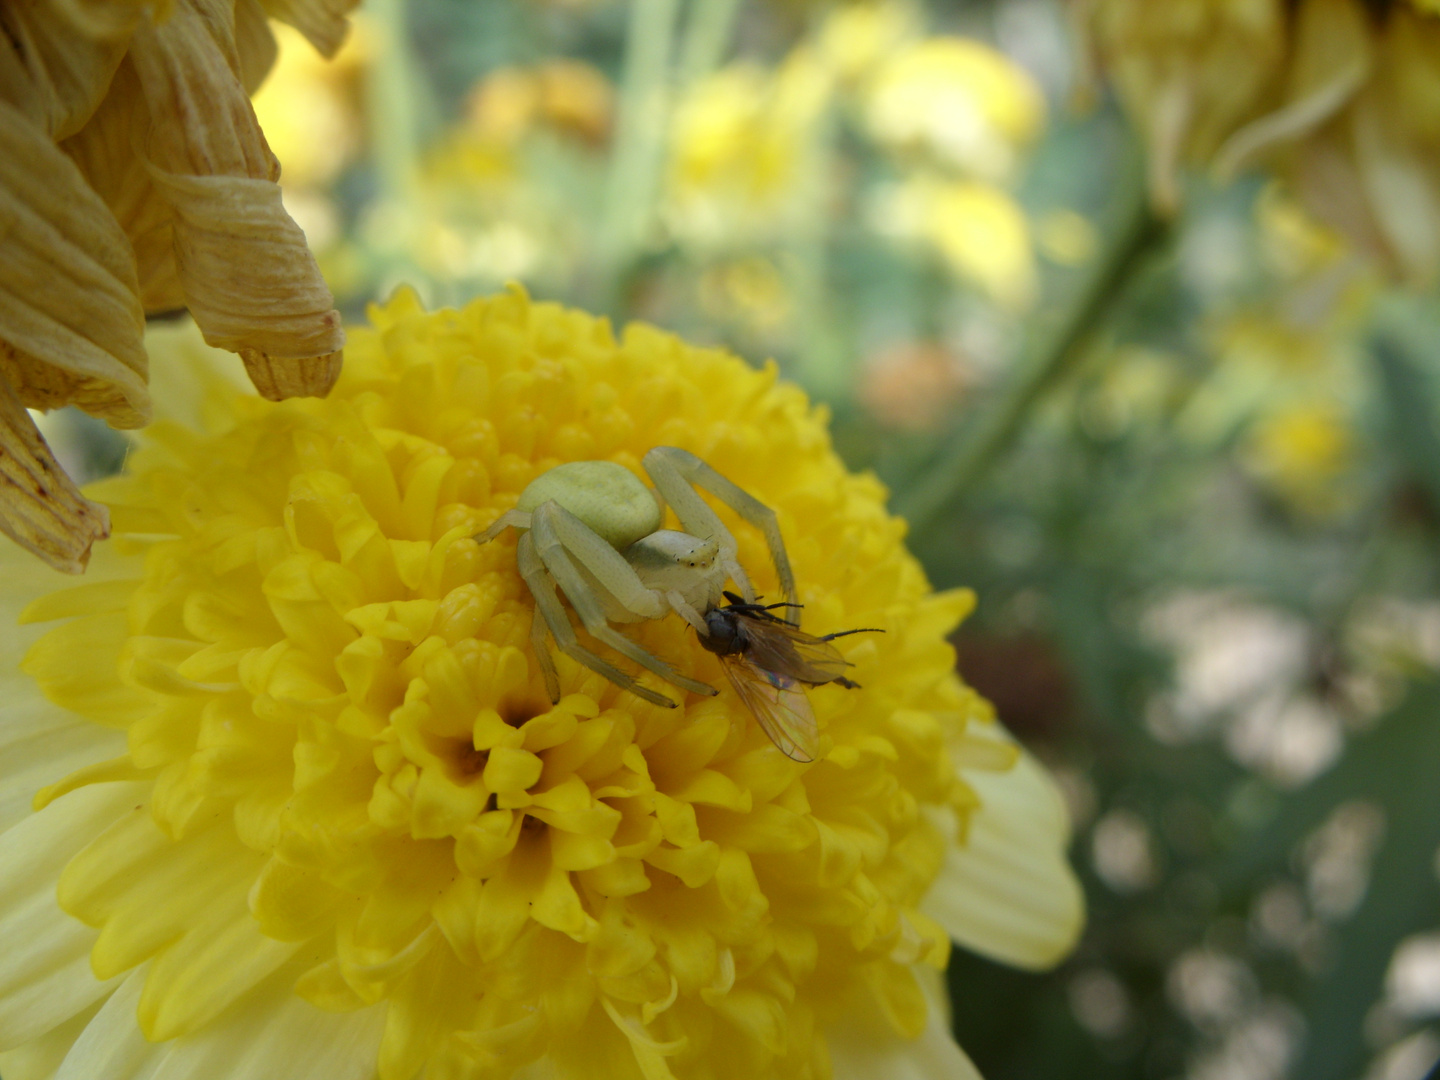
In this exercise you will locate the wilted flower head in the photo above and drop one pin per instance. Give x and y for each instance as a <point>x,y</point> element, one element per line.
<point>1190,72</point>
<point>134,178</point>
<point>326,821</point>
<point>1341,97</point>
<point>1356,130</point>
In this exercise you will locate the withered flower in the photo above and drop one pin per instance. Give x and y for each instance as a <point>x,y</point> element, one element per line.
<point>135,179</point>
<point>1189,73</point>
<point>1357,130</point>
<point>1340,97</point>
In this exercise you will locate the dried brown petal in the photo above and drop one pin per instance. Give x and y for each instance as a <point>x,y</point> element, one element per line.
<point>249,278</point>
<point>255,45</point>
<point>40,507</point>
<point>68,294</point>
<point>68,55</point>
<point>105,151</point>
<point>310,377</point>
<point>1332,59</point>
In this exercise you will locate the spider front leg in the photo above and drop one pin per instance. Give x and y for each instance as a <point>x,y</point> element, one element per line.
<point>518,519</point>
<point>549,609</point>
<point>677,473</point>
<point>557,535</point>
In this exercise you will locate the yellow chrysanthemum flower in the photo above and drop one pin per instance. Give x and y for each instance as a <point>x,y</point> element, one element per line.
<point>134,178</point>
<point>323,819</point>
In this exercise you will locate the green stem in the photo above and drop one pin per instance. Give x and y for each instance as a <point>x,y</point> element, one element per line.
<point>390,102</point>
<point>820,357</point>
<point>707,38</point>
<point>637,160</point>
<point>963,462</point>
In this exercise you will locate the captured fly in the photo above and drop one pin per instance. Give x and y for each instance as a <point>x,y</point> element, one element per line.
<point>767,660</point>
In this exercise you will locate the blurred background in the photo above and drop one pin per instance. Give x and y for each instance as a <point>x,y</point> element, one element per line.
<point>1178,429</point>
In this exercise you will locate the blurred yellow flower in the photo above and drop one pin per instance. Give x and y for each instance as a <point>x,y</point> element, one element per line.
<point>309,107</point>
<point>568,96</point>
<point>959,102</point>
<point>1302,450</point>
<point>1341,97</point>
<point>134,177</point>
<point>321,818</point>
<point>738,139</point>
<point>979,230</point>
<point>855,38</point>
<point>1067,238</point>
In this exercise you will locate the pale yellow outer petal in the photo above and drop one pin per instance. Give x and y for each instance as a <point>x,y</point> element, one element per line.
<point>249,279</point>
<point>46,978</point>
<point>274,1035</point>
<point>861,1051</point>
<point>39,1058</point>
<point>111,1045</point>
<point>1008,892</point>
<point>271,1035</point>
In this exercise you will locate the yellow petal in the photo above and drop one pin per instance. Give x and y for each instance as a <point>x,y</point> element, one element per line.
<point>47,977</point>
<point>1007,891</point>
<point>861,1049</point>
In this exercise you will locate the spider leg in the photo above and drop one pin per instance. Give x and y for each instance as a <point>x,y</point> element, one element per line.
<point>549,608</point>
<point>556,539</point>
<point>685,611</point>
<point>677,473</point>
<point>540,646</point>
<point>516,518</point>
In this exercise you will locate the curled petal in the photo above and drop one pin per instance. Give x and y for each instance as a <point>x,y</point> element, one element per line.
<point>321,21</point>
<point>68,305</point>
<point>1332,61</point>
<point>255,45</point>
<point>248,277</point>
<point>40,507</point>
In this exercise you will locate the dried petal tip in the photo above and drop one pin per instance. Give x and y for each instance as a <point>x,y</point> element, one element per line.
<point>277,378</point>
<point>40,507</point>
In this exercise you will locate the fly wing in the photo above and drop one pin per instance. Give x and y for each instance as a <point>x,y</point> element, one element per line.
<point>788,650</point>
<point>780,707</point>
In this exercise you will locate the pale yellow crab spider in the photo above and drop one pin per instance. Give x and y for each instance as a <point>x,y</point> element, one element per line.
<point>592,528</point>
